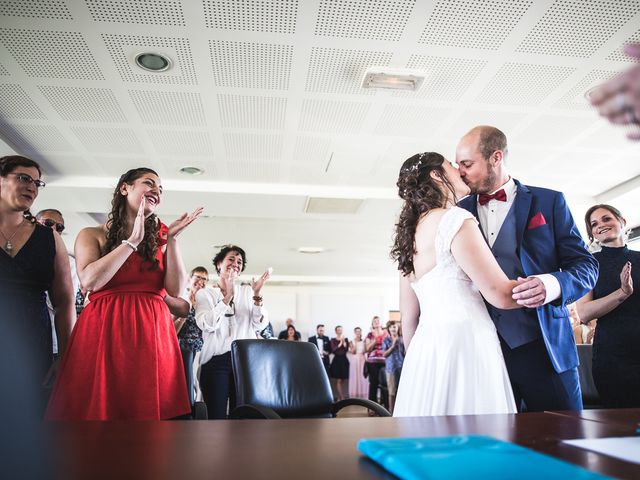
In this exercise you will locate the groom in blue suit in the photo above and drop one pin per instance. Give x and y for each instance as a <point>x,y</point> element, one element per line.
<point>535,240</point>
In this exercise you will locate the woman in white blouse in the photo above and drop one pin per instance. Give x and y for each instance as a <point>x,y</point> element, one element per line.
<point>227,312</point>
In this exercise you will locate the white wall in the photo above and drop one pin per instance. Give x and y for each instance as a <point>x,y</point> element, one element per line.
<point>345,305</point>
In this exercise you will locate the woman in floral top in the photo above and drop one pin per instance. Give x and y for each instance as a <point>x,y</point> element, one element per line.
<point>375,359</point>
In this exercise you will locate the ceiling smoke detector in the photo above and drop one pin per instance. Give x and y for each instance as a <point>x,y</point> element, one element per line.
<point>191,171</point>
<point>153,62</point>
<point>395,79</point>
<point>310,250</point>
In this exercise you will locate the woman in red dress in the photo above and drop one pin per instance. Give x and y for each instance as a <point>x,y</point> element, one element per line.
<point>123,359</point>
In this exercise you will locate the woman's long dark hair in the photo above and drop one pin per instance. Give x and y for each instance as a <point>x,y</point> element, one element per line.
<point>421,193</point>
<point>9,163</point>
<point>116,226</point>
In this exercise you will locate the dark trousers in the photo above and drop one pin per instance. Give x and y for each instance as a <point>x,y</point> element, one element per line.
<point>374,383</point>
<point>217,385</point>
<point>187,360</point>
<point>536,385</point>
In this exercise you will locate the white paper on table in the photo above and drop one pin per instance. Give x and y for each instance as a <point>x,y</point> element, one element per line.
<point>624,448</point>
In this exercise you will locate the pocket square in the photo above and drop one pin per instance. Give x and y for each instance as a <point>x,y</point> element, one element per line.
<point>536,221</point>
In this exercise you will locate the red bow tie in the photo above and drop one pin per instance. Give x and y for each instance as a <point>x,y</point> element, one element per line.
<point>500,195</point>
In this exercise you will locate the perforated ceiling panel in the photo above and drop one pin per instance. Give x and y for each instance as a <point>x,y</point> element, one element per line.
<point>177,142</point>
<point>169,108</point>
<point>149,12</point>
<point>332,116</point>
<point>333,70</point>
<point>16,103</point>
<point>247,171</point>
<point>36,138</point>
<point>249,145</point>
<point>54,9</point>
<point>448,78</point>
<point>473,23</point>
<point>274,16</point>
<point>618,54</point>
<point>124,47</point>
<point>84,104</point>
<point>108,140</point>
<point>251,65</point>
<point>3,71</point>
<point>574,99</point>
<point>410,121</point>
<point>312,150</point>
<point>523,84</point>
<point>367,19</point>
<point>239,111</point>
<point>552,130</point>
<point>53,54</point>
<point>577,28</point>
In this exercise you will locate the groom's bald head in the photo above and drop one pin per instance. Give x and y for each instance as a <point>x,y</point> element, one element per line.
<point>487,140</point>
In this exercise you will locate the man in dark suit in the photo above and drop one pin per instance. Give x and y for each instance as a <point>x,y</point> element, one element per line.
<point>323,343</point>
<point>535,240</point>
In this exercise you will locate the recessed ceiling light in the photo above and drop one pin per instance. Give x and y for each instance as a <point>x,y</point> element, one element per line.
<point>153,62</point>
<point>396,79</point>
<point>191,171</point>
<point>310,250</point>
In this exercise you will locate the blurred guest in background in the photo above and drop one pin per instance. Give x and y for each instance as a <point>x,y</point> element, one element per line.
<point>358,383</point>
<point>340,364</point>
<point>394,358</point>
<point>292,335</point>
<point>323,343</point>
<point>375,360</point>
<point>613,301</point>
<point>285,333</point>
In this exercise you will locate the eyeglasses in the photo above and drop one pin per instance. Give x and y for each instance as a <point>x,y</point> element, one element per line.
<point>200,277</point>
<point>24,178</point>
<point>47,222</point>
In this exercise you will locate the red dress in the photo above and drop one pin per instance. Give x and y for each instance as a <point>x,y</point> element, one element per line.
<point>123,361</point>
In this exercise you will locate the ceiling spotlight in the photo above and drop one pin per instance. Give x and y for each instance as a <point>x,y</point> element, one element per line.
<point>396,79</point>
<point>153,62</point>
<point>191,171</point>
<point>310,250</point>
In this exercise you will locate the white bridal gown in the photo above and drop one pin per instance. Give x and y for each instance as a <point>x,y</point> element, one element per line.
<point>454,364</point>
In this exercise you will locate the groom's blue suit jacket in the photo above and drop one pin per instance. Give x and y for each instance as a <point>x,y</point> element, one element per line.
<point>549,242</point>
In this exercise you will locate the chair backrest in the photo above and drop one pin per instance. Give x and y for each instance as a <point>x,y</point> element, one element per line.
<point>590,396</point>
<point>288,377</point>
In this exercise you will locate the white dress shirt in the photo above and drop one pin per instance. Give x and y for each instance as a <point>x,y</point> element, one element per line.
<point>491,216</point>
<point>221,324</point>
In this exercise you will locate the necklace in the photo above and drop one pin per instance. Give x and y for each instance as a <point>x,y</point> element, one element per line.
<point>8,246</point>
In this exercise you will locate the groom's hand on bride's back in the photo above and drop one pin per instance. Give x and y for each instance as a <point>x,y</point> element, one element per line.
<point>530,292</point>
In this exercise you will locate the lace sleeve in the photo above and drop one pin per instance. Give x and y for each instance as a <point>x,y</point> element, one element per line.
<point>450,223</point>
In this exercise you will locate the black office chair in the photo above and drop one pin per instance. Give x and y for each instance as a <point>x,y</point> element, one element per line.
<point>590,396</point>
<point>281,379</point>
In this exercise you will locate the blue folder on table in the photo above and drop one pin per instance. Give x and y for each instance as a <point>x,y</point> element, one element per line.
<point>467,456</point>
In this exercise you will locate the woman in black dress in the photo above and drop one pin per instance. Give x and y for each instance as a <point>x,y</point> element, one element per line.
<point>616,346</point>
<point>33,262</point>
<point>340,365</point>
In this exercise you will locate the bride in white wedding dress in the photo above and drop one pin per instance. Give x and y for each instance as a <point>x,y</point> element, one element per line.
<point>454,364</point>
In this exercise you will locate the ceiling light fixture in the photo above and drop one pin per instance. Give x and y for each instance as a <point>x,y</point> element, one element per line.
<point>395,79</point>
<point>191,171</point>
<point>310,250</point>
<point>153,62</point>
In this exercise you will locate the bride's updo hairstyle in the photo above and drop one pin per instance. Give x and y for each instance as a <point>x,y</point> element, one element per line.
<point>421,193</point>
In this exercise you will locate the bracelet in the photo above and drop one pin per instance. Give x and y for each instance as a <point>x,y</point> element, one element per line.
<point>127,242</point>
<point>257,300</point>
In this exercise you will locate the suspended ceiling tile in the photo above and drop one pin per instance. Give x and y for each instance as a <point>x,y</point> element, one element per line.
<point>312,150</point>
<point>84,104</point>
<point>142,12</point>
<point>49,53</point>
<point>38,138</point>
<point>169,108</point>
<point>523,84</point>
<point>243,111</point>
<point>50,9</point>
<point>253,146</point>
<point>370,20</point>
<point>335,70</point>
<point>473,23</point>
<point>16,103</point>
<point>410,120</point>
<point>618,54</point>
<point>181,142</point>
<point>273,16</point>
<point>332,116</point>
<point>251,65</point>
<point>575,99</point>
<point>108,140</point>
<point>572,28</point>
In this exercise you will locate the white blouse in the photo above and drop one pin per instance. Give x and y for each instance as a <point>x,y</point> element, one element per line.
<point>221,324</point>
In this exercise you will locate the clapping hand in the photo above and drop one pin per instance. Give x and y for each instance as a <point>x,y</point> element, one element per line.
<point>137,234</point>
<point>626,282</point>
<point>183,221</point>
<point>256,285</point>
<point>530,292</point>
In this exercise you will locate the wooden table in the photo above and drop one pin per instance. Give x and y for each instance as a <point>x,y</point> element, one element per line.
<point>310,448</point>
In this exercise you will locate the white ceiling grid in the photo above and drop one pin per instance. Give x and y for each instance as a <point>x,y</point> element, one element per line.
<point>266,94</point>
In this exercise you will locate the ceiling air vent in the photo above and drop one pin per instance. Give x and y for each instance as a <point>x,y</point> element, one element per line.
<point>332,205</point>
